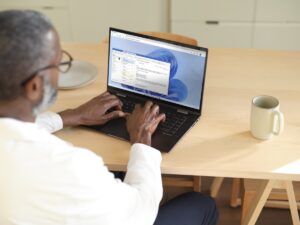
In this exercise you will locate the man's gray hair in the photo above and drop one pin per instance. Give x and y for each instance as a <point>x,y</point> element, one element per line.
<point>23,48</point>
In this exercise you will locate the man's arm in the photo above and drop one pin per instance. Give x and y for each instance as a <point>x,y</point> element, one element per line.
<point>143,169</point>
<point>98,198</point>
<point>91,113</point>
<point>136,200</point>
<point>49,121</point>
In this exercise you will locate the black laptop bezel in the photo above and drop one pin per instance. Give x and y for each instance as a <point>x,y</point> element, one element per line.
<point>159,101</point>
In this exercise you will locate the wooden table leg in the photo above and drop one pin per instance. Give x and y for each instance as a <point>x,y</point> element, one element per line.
<point>261,197</point>
<point>292,201</point>
<point>258,202</point>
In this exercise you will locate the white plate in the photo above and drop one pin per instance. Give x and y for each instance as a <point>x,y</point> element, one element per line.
<point>80,74</point>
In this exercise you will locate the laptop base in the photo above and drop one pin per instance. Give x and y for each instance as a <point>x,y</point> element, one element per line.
<point>160,141</point>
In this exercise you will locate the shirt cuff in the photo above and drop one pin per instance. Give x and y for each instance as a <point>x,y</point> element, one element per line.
<point>147,150</point>
<point>49,121</point>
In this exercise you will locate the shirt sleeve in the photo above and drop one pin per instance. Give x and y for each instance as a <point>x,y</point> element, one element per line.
<point>49,121</point>
<point>144,177</point>
<point>111,201</point>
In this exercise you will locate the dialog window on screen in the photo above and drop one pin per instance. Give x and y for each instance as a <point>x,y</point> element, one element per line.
<point>140,71</point>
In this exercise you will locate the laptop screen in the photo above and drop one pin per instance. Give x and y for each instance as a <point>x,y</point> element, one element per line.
<point>168,71</point>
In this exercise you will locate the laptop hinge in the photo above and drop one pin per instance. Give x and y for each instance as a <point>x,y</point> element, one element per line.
<point>183,111</point>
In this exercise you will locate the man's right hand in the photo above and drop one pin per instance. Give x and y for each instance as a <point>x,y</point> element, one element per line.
<point>142,123</point>
<point>94,112</point>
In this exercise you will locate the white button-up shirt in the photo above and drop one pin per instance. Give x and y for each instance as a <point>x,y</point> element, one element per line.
<point>45,180</point>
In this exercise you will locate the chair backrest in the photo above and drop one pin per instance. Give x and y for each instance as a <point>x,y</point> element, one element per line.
<point>167,36</point>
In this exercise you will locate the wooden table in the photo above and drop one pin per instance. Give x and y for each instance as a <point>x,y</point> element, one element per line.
<point>220,144</point>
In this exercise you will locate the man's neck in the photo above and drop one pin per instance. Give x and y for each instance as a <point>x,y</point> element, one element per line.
<point>17,109</point>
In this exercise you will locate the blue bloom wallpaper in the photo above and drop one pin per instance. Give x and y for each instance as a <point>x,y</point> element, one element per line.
<point>186,70</point>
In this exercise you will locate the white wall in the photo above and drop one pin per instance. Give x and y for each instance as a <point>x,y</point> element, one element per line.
<point>215,23</point>
<point>89,20</point>
<point>271,24</point>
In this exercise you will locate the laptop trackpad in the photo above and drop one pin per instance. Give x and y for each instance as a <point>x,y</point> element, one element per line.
<point>116,128</point>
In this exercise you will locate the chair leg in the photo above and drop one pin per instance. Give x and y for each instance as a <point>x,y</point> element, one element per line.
<point>215,186</point>
<point>197,183</point>
<point>235,200</point>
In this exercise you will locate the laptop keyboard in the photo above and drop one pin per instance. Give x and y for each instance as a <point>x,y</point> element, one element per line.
<point>173,120</point>
<point>128,106</point>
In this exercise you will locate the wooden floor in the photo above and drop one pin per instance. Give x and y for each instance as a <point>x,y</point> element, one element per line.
<point>231,216</point>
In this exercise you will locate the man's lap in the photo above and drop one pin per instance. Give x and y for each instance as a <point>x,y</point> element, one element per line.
<point>191,208</point>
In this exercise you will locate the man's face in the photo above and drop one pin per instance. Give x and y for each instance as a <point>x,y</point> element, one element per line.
<point>50,77</point>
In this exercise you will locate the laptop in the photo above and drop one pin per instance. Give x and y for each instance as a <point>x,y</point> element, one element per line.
<point>171,74</point>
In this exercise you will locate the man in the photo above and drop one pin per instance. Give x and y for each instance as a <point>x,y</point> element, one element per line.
<point>44,180</point>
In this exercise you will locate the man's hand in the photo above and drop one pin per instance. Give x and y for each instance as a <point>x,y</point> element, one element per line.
<point>94,111</point>
<point>142,123</point>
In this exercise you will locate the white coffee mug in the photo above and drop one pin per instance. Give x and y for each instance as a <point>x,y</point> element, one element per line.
<point>266,119</point>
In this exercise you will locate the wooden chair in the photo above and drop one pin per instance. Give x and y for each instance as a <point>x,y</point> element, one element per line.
<point>235,199</point>
<point>175,180</point>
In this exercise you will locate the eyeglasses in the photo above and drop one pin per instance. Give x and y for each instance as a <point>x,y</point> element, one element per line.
<point>64,66</point>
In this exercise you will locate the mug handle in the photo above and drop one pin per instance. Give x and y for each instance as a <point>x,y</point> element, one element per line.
<point>280,122</point>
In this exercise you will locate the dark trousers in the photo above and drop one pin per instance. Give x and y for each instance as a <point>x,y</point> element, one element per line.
<point>191,208</point>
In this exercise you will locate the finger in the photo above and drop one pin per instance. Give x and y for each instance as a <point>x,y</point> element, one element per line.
<point>119,106</point>
<point>108,97</point>
<point>111,97</point>
<point>153,112</point>
<point>101,97</point>
<point>148,105</point>
<point>126,115</point>
<point>113,115</point>
<point>155,109</point>
<point>110,103</point>
<point>160,118</point>
<point>104,94</point>
<point>137,107</point>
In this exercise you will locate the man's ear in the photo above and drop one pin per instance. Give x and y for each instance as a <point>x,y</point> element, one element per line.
<point>34,89</point>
